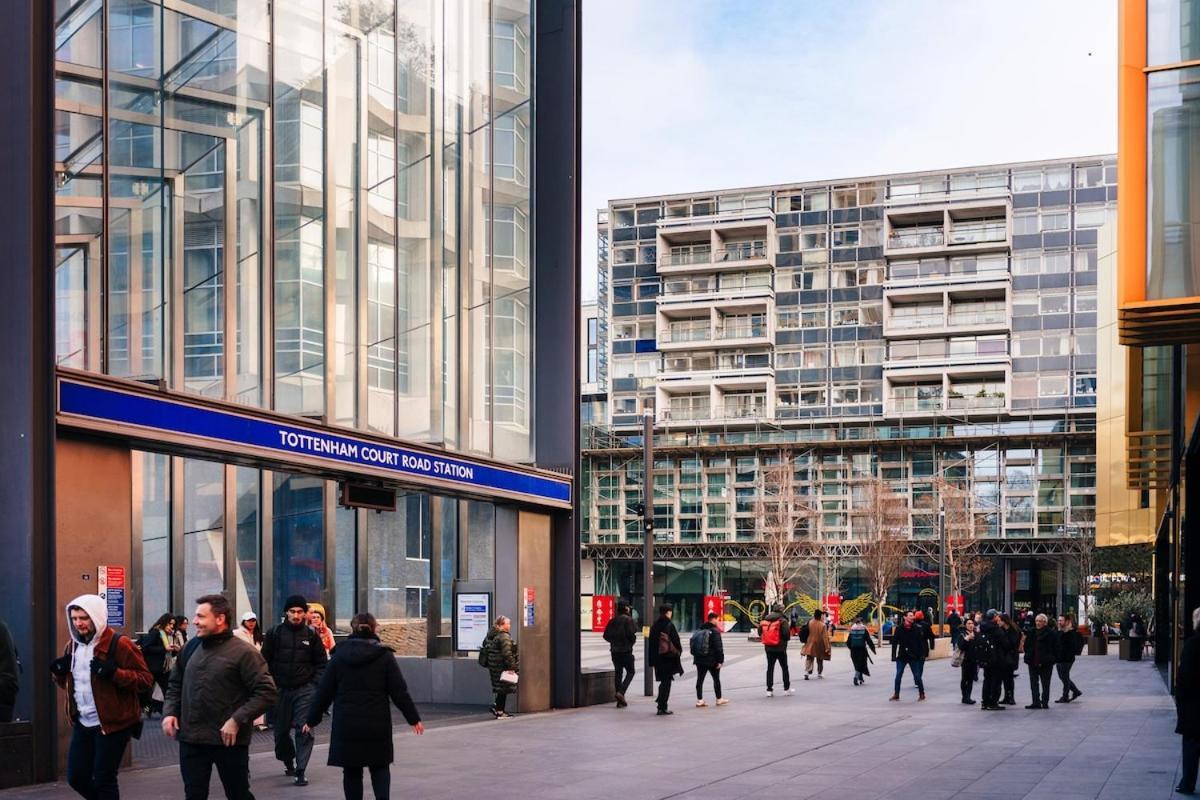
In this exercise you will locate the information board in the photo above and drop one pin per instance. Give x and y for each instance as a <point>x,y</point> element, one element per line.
<point>110,585</point>
<point>472,619</point>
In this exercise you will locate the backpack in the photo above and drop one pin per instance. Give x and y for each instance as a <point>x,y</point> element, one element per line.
<point>483,653</point>
<point>701,643</point>
<point>804,635</point>
<point>771,631</point>
<point>984,650</point>
<point>136,730</point>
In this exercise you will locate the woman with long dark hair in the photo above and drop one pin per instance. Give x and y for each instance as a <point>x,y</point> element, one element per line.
<point>157,648</point>
<point>361,679</point>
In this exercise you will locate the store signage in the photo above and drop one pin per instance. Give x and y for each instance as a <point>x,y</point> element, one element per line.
<point>833,607</point>
<point>603,608</point>
<point>714,604</point>
<point>218,427</point>
<point>472,619</point>
<point>955,603</point>
<point>110,585</point>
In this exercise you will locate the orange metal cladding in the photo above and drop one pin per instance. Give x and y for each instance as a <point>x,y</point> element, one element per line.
<point>1131,153</point>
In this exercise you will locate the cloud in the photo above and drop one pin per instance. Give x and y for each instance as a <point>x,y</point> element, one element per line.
<point>690,95</point>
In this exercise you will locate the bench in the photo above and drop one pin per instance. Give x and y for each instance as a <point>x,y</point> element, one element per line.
<point>596,686</point>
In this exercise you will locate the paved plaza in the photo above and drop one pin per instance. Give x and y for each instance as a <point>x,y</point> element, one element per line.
<point>828,740</point>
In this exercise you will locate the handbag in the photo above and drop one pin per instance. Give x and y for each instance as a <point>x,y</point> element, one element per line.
<point>509,676</point>
<point>665,646</point>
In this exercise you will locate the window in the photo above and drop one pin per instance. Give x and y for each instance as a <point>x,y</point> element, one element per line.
<point>1085,302</point>
<point>811,279</point>
<point>510,56</point>
<point>1052,386</point>
<point>1089,216</point>
<point>787,320</point>
<point>1054,304</point>
<point>812,319</point>
<point>510,242</point>
<point>1027,181</point>
<point>1024,222</point>
<point>816,201</point>
<point>1087,176</point>
<point>1057,220</point>
<point>1057,178</point>
<point>845,315</point>
<point>814,239</point>
<point>1085,384</point>
<point>510,159</point>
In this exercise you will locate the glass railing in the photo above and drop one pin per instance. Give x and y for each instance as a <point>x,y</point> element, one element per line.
<point>744,411</point>
<point>916,404</point>
<point>978,232</point>
<point>922,321</point>
<point>975,401</point>
<point>693,413</point>
<point>685,333</point>
<point>944,268</point>
<point>675,288</point>
<point>680,259</point>
<point>741,251</point>
<point>917,237</point>
<point>977,317</point>
<point>742,331</point>
<point>983,348</point>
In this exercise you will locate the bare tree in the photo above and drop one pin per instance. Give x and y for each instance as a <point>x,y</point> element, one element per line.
<point>786,518</point>
<point>880,519</point>
<point>966,566</point>
<point>1080,552</point>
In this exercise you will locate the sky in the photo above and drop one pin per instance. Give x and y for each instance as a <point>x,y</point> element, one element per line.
<point>694,95</point>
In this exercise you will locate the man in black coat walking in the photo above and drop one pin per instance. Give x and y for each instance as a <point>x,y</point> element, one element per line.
<point>910,648</point>
<point>1187,706</point>
<point>297,658</point>
<point>991,652</point>
<point>1070,644</point>
<point>621,635</point>
<point>665,650</point>
<point>1041,652</point>
<point>708,654</point>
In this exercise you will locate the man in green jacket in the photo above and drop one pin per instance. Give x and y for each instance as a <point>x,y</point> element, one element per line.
<point>219,685</point>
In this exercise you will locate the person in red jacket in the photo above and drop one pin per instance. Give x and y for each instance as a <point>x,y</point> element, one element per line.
<point>103,683</point>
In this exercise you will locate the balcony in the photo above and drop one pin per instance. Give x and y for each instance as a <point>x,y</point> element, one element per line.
<point>685,333</point>
<point>970,226</point>
<point>907,238</point>
<point>743,330</point>
<point>982,401</point>
<point>978,232</point>
<point>685,258</point>
<point>963,269</point>
<point>907,404</point>
<point>921,352</point>
<point>732,290</point>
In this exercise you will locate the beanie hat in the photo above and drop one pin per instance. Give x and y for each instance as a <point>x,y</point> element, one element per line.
<point>295,601</point>
<point>990,614</point>
<point>317,607</point>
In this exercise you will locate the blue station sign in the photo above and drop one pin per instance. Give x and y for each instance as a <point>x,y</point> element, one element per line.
<point>215,428</point>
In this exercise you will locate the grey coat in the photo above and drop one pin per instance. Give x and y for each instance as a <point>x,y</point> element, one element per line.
<point>223,678</point>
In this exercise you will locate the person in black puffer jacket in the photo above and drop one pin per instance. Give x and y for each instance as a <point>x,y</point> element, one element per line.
<point>665,650</point>
<point>969,666</point>
<point>910,648</point>
<point>361,679</point>
<point>1041,651</point>
<point>1070,644</point>
<point>297,658</point>
<point>621,635</point>
<point>708,654</point>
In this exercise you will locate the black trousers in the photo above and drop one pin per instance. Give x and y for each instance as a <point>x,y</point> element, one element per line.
<point>93,760</point>
<point>1191,761</point>
<point>291,744</point>
<point>716,676</point>
<point>967,681</point>
<point>664,692</point>
<point>1064,675</point>
<point>381,782</point>
<point>233,768</point>
<point>1040,675</point>
<point>1010,690</point>
<point>993,681</point>
<point>622,671</point>
<point>780,658</point>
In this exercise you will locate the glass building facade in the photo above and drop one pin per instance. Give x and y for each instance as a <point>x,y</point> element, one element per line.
<point>913,329</point>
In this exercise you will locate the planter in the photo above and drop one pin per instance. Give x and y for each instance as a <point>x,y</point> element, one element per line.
<point>1123,649</point>
<point>1097,646</point>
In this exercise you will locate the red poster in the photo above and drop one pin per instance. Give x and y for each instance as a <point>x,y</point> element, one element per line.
<point>714,604</point>
<point>116,577</point>
<point>833,607</point>
<point>603,607</point>
<point>955,602</point>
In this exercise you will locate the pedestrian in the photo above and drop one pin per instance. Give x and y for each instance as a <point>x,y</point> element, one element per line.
<point>157,645</point>
<point>10,681</point>
<point>103,674</point>
<point>1070,645</point>
<point>1012,658</point>
<point>967,662</point>
<point>991,653</point>
<point>180,635</point>
<point>218,685</point>
<point>362,682</point>
<point>954,622</point>
<point>1041,650</point>
<point>499,654</point>
<point>621,635</point>
<point>818,646</point>
<point>909,649</point>
<point>1137,636</point>
<point>665,652</point>
<point>857,642</point>
<point>708,654</point>
<point>249,632</point>
<point>316,621</point>
<point>296,657</point>
<point>774,633</point>
<point>1187,707</point>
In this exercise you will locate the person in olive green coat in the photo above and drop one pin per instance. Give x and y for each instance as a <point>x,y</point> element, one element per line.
<point>501,656</point>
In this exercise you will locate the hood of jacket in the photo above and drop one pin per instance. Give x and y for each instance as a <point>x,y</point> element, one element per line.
<point>358,650</point>
<point>96,608</point>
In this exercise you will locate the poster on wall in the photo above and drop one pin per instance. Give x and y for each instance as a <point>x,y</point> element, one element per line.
<point>527,615</point>
<point>603,608</point>
<point>110,585</point>
<point>714,604</point>
<point>472,619</point>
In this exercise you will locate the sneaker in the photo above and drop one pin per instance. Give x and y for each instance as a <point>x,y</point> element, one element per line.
<point>662,712</point>
<point>505,715</point>
<point>300,779</point>
<point>894,698</point>
<point>289,768</point>
<point>1062,700</point>
<point>770,693</point>
<point>1032,706</point>
<point>495,712</point>
<point>723,701</point>
<point>920,697</point>
<point>789,691</point>
<point>806,676</point>
<point>819,676</point>
<point>701,704</point>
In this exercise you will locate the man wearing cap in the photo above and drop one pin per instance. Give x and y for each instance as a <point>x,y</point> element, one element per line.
<point>297,659</point>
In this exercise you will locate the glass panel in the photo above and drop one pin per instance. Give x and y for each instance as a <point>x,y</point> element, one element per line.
<point>345,567</point>
<point>480,554</point>
<point>156,537</point>
<point>1173,109</point>
<point>203,528</point>
<point>1172,31</point>
<point>248,537</point>
<point>298,537</point>
<point>397,579</point>
<point>343,115</point>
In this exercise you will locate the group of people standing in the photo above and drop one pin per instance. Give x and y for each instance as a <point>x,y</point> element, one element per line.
<point>219,685</point>
<point>994,644</point>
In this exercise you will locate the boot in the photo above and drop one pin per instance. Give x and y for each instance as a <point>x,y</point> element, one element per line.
<point>1075,694</point>
<point>894,698</point>
<point>920,696</point>
<point>1063,699</point>
<point>289,768</point>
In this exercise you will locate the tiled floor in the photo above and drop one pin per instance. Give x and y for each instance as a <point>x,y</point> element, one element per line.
<point>828,740</point>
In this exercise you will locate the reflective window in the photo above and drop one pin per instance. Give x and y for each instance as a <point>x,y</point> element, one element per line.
<point>1173,209</point>
<point>1172,31</point>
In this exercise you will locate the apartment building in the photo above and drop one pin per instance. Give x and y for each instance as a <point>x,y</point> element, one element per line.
<point>923,329</point>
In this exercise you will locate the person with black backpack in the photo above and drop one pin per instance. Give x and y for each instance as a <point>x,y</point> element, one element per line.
<point>857,643</point>
<point>708,654</point>
<point>621,635</point>
<point>774,631</point>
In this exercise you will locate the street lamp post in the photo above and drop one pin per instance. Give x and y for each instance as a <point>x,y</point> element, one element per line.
<point>648,543</point>
<point>941,612</point>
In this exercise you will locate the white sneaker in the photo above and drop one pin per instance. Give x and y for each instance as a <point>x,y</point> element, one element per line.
<point>789,691</point>
<point>701,704</point>
<point>723,701</point>
<point>770,693</point>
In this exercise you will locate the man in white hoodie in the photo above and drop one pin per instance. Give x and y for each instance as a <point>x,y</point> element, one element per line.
<point>102,674</point>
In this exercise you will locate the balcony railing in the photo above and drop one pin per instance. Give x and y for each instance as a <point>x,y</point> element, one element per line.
<point>976,317</point>
<point>744,411</point>
<point>945,268</point>
<point>932,236</point>
<point>675,288</point>
<point>916,403</point>
<point>692,414</point>
<point>918,321</point>
<point>975,401</point>
<point>978,232</point>
<point>917,351</point>
<point>680,259</point>
<point>685,333</point>
<point>742,331</point>
<point>741,251</point>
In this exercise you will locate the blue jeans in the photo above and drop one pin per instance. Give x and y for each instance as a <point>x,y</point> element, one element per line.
<point>93,760</point>
<point>918,670</point>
